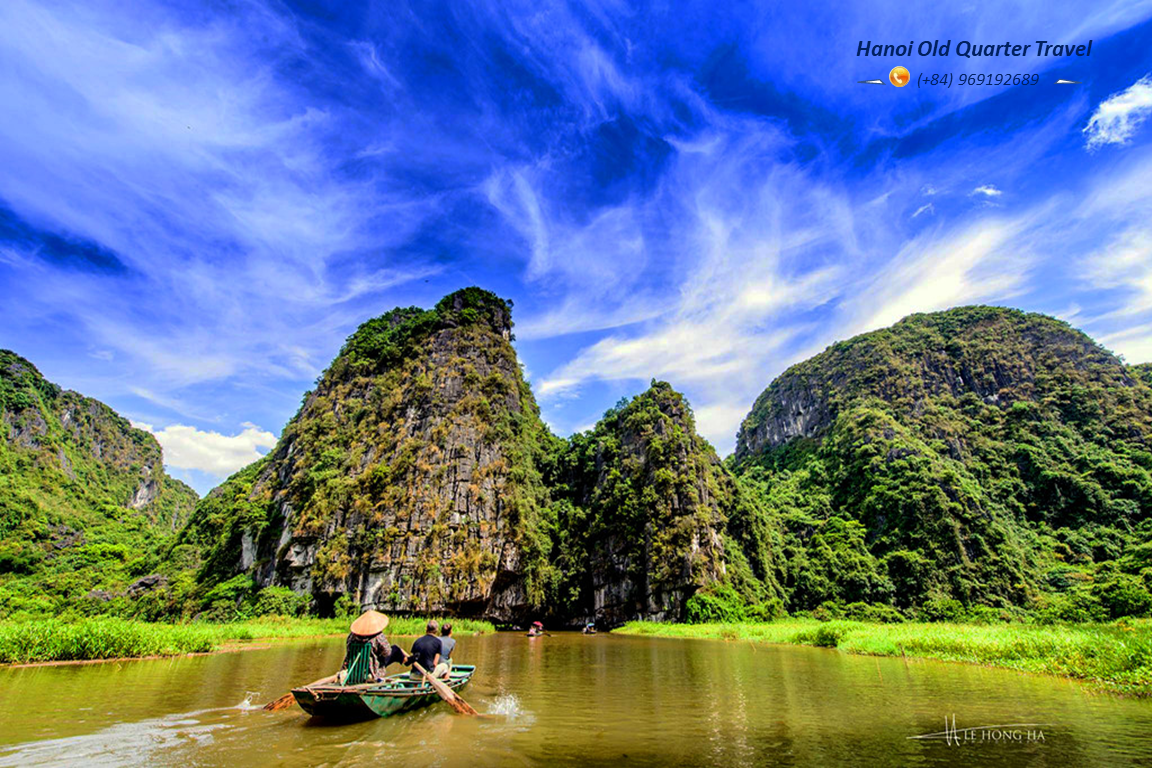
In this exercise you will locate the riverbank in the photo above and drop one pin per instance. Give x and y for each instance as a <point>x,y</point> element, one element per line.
<point>42,640</point>
<point>1113,656</point>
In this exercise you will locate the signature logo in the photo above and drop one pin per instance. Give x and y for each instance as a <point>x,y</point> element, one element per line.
<point>1019,733</point>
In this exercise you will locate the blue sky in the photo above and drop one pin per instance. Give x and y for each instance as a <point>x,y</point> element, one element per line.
<point>197,207</point>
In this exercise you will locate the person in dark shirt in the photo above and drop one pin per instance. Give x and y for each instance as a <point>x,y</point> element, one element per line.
<point>366,650</point>
<point>426,651</point>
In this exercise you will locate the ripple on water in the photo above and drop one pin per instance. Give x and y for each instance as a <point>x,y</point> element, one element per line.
<point>122,743</point>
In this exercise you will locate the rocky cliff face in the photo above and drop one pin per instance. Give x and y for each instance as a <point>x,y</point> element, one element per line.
<point>999,355</point>
<point>979,455</point>
<point>644,508</point>
<point>408,481</point>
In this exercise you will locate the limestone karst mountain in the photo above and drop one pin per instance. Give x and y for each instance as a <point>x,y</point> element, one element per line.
<point>418,477</point>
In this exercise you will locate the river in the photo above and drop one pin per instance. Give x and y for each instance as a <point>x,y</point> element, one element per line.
<point>565,699</point>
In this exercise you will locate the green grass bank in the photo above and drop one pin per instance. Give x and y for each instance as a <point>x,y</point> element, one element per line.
<point>1115,656</point>
<point>39,640</point>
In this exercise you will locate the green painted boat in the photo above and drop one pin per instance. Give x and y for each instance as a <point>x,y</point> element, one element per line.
<point>394,695</point>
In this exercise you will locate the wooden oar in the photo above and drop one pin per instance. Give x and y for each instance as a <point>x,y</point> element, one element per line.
<point>289,699</point>
<point>446,693</point>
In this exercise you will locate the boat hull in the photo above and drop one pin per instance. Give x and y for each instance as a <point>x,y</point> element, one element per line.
<point>397,694</point>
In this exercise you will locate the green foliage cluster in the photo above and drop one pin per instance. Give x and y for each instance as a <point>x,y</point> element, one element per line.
<point>70,469</point>
<point>386,341</point>
<point>721,602</point>
<point>967,458</point>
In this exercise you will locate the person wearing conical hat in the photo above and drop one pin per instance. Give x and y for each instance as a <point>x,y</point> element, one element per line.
<point>367,651</point>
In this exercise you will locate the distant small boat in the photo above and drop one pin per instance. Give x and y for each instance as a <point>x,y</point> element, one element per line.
<point>396,694</point>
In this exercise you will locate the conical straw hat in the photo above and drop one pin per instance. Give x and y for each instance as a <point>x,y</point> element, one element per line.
<point>369,623</point>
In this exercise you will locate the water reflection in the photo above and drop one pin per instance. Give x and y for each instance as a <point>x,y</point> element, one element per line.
<point>594,700</point>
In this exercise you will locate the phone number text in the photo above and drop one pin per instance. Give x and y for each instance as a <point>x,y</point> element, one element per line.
<point>1000,78</point>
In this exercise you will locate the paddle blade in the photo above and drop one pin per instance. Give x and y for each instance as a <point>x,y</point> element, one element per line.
<point>283,702</point>
<point>289,698</point>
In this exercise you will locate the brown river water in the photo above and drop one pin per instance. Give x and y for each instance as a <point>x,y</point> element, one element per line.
<point>570,699</point>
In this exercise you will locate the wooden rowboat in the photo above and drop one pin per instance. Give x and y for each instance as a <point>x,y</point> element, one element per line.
<point>396,694</point>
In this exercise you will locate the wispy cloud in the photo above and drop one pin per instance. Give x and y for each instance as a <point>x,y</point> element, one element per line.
<point>1118,117</point>
<point>214,453</point>
<point>179,147</point>
<point>968,266</point>
<point>1125,263</point>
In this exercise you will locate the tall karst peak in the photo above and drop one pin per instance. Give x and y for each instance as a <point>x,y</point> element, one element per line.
<point>409,479</point>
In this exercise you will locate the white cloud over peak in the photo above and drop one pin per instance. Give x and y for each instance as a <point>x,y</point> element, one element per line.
<point>1117,117</point>
<point>217,454</point>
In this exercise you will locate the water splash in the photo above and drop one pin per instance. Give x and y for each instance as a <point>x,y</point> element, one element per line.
<point>506,705</point>
<point>248,704</point>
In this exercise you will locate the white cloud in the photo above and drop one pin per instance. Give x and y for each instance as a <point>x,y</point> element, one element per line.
<point>927,275</point>
<point>1135,343</point>
<point>731,264</point>
<point>211,452</point>
<point>928,208</point>
<point>1118,116</point>
<point>987,190</point>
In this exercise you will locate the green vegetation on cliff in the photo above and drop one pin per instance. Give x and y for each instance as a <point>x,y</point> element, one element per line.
<point>85,505</point>
<point>978,456</point>
<point>648,517</point>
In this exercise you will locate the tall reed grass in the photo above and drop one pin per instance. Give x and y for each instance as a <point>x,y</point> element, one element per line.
<point>38,640</point>
<point>1116,656</point>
